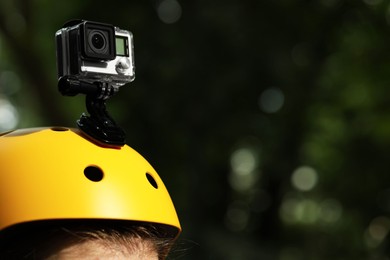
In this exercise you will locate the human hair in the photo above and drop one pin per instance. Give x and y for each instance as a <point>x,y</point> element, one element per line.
<point>40,240</point>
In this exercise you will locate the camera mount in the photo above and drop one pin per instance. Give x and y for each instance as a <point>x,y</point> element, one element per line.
<point>95,59</point>
<point>99,124</point>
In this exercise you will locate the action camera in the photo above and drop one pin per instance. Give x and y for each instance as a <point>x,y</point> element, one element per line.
<point>95,52</point>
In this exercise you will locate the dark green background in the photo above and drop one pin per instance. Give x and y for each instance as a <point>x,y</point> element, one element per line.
<point>230,99</point>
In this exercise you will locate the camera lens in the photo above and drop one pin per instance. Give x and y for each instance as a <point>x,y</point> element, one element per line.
<point>97,40</point>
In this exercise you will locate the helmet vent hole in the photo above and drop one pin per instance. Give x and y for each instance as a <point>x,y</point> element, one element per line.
<point>59,129</point>
<point>93,173</point>
<point>151,180</point>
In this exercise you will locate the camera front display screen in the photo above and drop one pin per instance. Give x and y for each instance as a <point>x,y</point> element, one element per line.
<point>121,46</point>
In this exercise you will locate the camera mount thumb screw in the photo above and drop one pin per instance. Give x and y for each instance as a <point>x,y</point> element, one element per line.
<point>99,125</point>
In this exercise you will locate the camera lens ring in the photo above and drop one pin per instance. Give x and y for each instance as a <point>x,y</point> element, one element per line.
<point>98,41</point>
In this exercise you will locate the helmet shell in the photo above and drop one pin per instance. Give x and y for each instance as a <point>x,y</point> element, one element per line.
<point>57,174</point>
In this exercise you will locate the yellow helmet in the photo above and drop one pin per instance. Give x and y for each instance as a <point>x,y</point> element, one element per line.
<point>57,174</point>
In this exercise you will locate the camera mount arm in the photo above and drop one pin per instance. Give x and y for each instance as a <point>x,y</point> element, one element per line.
<point>99,124</point>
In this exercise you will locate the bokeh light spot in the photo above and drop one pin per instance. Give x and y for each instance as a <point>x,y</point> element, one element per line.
<point>9,82</point>
<point>169,11</point>
<point>243,161</point>
<point>304,178</point>
<point>8,115</point>
<point>244,172</point>
<point>331,211</point>
<point>271,100</point>
<point>379,228</point>
<point>287,210</point>
<point>237,216</point>
<point>307,211</point>
<point>377,231</point>
<point>16,23</point>
<point>299,211</point>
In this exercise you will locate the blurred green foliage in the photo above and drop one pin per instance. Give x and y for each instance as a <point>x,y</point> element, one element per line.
<point>268,120</point>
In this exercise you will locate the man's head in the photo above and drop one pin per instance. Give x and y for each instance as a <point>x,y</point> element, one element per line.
<point>102,245</point>
<point>57,175</point>
<point>66,240</point>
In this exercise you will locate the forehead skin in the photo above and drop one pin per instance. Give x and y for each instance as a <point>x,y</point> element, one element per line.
<point>98,250</point>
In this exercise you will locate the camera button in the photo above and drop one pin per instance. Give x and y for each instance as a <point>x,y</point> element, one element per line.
<point>122,65</point>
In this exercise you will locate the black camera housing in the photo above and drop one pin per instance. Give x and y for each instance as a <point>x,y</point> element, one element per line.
<point>95,52</point>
